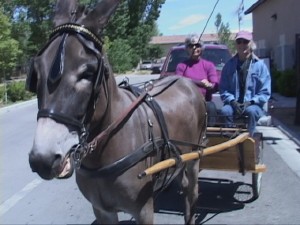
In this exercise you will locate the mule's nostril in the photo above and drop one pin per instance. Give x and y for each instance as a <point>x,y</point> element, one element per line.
<point>57,161</point>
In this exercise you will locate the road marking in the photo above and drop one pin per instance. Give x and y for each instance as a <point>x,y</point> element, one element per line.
<point>12,201</point>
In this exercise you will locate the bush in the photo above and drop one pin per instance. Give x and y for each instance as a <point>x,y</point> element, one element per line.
<point>2,94</point>
<point>275,74</point>
<point>16,91</point>
<point>287,83</point>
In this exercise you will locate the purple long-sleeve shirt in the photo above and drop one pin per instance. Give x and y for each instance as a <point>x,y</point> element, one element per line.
<point>198,70</point>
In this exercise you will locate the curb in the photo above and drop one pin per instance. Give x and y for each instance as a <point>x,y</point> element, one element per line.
<point>287,131</point>
<point>17,105</point>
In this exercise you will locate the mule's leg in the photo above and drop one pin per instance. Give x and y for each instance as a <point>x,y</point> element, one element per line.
<point>104,217</point>
<point>190,190</point>
<point>146,213</point>
<point>144,210</point>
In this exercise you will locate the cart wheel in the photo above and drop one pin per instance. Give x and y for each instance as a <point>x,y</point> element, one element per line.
<point>257,177</point>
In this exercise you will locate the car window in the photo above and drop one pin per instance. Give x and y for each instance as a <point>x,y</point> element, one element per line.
<point>177,56</point>
<point>218,56</point>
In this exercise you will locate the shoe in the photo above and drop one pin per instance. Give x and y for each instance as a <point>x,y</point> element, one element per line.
<point>265,121</point>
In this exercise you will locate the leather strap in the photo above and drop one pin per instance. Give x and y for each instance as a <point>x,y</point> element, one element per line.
<point>123,164</point>
<point>60,118</point>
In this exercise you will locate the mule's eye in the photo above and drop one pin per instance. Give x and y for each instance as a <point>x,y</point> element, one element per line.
<point>87,75</point>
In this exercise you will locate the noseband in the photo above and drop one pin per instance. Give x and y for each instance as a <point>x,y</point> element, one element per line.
<point>56,72</point>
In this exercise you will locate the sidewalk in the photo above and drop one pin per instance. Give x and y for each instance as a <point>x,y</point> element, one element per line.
<point>283,112</point>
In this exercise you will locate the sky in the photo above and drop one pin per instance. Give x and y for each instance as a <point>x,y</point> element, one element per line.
<point>182,17</point>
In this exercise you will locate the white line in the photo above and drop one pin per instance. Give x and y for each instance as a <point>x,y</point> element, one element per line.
<point>12,201</point>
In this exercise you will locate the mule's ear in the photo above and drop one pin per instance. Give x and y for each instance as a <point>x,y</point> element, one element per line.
<point>65,11</point>
<point>101,13</point>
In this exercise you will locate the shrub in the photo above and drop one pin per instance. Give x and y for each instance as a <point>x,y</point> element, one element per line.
<point>16,91</point>
<point>287,83</point>
<point>275,74</point>
<point>2,93</point>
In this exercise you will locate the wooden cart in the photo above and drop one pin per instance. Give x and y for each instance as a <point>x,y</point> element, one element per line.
<point>229,149</point>
<point>244,157</point>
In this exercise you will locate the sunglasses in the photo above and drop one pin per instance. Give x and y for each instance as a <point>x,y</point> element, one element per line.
<point>242,41</point>
<point>194,45</point>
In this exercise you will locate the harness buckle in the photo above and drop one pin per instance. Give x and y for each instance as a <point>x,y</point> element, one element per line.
<point>77,156</point>
<point>148,86</point>
<point>149,98</point>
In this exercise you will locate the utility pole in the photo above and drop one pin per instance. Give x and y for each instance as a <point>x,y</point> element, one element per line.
<point>240,13</point>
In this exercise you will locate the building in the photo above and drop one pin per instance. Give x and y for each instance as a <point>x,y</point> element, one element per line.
<point>275,26</point>
<point>167,42</point>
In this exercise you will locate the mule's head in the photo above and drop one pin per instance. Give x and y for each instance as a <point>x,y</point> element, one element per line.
<point>66,75</point>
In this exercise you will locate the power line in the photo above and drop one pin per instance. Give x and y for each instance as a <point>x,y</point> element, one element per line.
<point>208,19</point>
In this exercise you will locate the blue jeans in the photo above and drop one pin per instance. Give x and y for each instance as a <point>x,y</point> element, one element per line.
<point>253,113</point>
<point>211,113</point>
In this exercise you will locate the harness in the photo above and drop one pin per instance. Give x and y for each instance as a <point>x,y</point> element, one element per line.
<point>164,147</point>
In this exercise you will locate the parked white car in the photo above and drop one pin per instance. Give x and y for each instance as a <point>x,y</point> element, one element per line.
<point>146,65</point>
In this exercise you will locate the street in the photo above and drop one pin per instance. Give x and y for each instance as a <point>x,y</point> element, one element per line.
<point>27,199</point>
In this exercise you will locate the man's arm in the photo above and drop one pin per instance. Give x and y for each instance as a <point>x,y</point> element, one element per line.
<point>264,92</point>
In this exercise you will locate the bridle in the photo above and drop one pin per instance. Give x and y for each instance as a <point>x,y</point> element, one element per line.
<point>83,34</point>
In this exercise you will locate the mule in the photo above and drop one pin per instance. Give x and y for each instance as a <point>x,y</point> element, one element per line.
<point>109,134</point>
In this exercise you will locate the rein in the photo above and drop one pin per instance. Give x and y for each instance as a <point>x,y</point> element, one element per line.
<point>82,149</point>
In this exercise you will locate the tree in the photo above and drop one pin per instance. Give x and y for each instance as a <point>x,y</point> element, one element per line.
<point>155,52</point>
<point>218,21</point>
<point>134,21</point>
<point>9,48</point>
<point>133,24</point>
<point>119,54</point>
<point>223,32</point>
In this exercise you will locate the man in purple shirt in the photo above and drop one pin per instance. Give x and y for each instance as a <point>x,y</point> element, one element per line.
<point>202,72</point>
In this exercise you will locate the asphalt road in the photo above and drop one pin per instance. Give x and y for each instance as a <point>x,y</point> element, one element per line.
<point>26,199</point>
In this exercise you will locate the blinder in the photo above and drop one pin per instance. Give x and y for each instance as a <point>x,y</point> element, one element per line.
<point>31,80</point>
<point>69,28</point>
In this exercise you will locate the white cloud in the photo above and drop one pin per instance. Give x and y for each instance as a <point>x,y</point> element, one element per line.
<point>188,21</point>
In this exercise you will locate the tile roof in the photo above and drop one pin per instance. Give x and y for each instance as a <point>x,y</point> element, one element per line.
<point>180,39</point>
<point>175,39</point>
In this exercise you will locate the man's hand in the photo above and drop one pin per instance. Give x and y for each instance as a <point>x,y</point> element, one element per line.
<point>237,107</point>
<point>246,104</point>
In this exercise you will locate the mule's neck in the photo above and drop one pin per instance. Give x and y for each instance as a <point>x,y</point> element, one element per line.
<point>104,112</point>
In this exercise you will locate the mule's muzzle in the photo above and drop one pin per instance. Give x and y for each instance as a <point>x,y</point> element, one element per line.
<point>51,166</point>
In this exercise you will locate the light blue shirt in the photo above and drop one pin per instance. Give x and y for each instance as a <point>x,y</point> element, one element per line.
<point>258,82</point>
